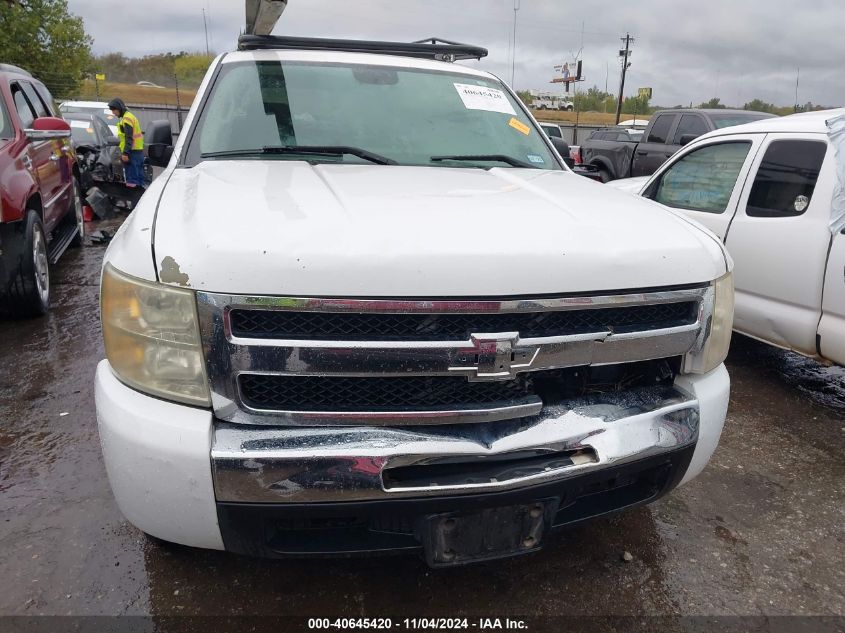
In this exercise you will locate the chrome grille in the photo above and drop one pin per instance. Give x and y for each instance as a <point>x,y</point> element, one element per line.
<point>455,327</point>
<point>328,393</point>
<point>301,361</point>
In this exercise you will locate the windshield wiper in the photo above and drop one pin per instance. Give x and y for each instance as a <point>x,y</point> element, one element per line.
<point>502,158</point>
<point>315,150</point>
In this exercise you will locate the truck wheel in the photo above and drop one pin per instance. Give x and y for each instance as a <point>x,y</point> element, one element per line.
<point>29,291</point>
<point>76,214</point>
<point>604,175</point>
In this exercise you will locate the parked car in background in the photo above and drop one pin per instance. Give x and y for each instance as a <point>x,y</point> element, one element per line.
<point>40,204</point>
<point>100,108</point>
<point>568,152</point>
<point>633,124</point>
<point>96,149</point>
<point>773,192</point>
<point>148,84</point>
<point>667,132</point>
<point>552,130</point>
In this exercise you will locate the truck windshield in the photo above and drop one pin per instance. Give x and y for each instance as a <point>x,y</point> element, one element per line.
<point>403,116</point>
<point>737,118</point>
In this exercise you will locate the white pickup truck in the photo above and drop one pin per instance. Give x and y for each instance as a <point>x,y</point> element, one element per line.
<point>772,190</point>
<point>399,324</point>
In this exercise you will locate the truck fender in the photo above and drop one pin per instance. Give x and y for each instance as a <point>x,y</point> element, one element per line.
<point>21,188</point>
<point>602,163</point>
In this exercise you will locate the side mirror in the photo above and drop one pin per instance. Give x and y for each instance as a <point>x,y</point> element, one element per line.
<point>112,141</point>
<point>159,142</point>
<point>159,154</point>
<point>562,148</point>
<point>688,138</point>
<point>48,128</point>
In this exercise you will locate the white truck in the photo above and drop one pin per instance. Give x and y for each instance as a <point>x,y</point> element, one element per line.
<point>328,331</point>
<point>772,190</point>
<point>551,101</point>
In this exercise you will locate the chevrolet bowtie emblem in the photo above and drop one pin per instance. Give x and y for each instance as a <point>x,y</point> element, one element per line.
<point>493,357</point>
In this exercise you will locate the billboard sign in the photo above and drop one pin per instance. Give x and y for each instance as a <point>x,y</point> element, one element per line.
<point>568,73</point>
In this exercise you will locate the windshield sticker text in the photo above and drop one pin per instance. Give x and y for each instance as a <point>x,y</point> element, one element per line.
<point>481,98</point>
<point>519,126</point>
<point>534,158</point>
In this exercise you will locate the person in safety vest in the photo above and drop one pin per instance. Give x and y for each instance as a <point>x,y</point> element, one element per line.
<point>131,143</point>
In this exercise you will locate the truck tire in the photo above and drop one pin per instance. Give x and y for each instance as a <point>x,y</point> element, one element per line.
<point>75,214</point>
<point>29,291</point>
<point>604,174</point>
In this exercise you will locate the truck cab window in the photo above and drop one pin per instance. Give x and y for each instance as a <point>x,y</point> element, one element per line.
<point>35,100</point>
<point>703,180</point>
<point>689,124</point>
<point>27,116</point>
<point>6,129</point>
<point>786,179</point>
<point>660,129</point>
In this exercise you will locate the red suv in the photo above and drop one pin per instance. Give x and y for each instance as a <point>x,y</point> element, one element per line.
<point>40,204</point>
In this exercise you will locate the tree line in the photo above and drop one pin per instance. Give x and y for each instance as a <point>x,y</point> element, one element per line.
<point>168,69</point>
<point>596,100</point>
<point>44,38</point>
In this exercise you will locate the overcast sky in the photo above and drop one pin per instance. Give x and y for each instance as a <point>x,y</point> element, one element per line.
<point>687,52</point>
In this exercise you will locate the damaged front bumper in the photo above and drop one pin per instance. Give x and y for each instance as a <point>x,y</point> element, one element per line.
<point>312,491</point>
<point>329,465</point>
<point>183,476</point>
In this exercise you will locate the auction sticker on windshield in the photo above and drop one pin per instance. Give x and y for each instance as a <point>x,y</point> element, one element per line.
<point>481,98</point>
<point>519,126</point>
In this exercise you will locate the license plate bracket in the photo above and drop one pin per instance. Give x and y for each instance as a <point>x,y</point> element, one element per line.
<point>457,538</point>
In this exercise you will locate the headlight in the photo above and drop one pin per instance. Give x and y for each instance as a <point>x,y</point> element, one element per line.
<point>717,330</point>
<point>152,338</point>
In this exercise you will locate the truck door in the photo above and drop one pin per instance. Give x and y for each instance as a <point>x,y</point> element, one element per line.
<point>39,158</point>
<point>705,180</point>
<point>59,182</point>
<point>779,240</point>
<point>653,150</point>
<point>832,324</point>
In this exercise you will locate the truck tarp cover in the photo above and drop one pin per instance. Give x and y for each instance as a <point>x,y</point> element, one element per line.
<point>836,132</point>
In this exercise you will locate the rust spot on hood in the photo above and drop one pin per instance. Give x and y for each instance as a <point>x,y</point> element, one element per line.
<point>170,273</point>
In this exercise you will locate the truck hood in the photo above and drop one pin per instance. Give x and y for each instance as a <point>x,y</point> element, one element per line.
<point>630,185</point>
<point>294,229</point>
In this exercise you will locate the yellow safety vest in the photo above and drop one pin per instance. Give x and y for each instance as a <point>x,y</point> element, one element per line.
<point>137,133</point>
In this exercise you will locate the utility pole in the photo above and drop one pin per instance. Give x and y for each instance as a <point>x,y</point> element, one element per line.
<point>205,25</point>
<point>178,102</point>
<point>624,54</point>
<point>797,78</point>
<point>516,4</point>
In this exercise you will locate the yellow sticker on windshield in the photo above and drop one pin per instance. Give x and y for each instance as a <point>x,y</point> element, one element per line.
<point>519,126</point>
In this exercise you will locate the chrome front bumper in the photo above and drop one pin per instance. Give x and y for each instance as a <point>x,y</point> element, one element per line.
<point>335,464</point>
